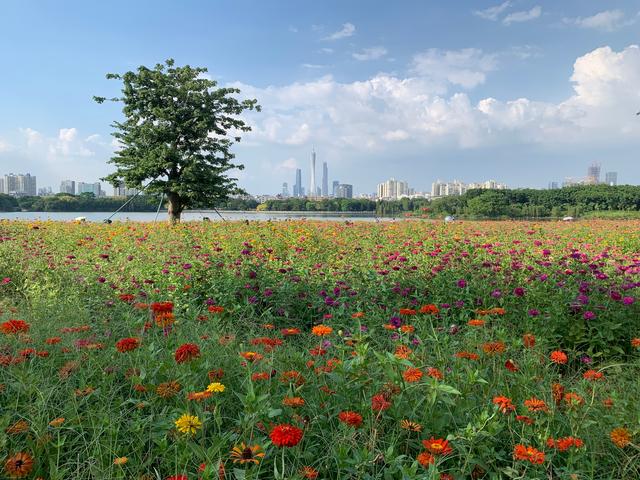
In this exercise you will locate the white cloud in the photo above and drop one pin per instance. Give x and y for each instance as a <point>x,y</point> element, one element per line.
<point>4,146</point>
<point>492,13</point>
<point>33,137</point>
<point>288,164</point>
<point>524,16</point>
<point>312,65</point>
<point>347,30</point>
<point>372,53</point>
<point>466,68</point>
<point>374,114</point>
<point>326,50</point>
<point>607,21</point>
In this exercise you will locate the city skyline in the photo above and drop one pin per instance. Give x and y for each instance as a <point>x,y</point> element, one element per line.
<point>524,92</point>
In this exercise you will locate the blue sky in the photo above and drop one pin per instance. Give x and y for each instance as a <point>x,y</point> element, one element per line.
<point>521,91</point>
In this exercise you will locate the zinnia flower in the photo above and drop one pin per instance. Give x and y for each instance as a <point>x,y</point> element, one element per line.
<point>246,454</point>
<point>18,465</point>
<point>14,326</point>
<point>215,387</point>
<point>127,344</point>
<point>187,352</point>
<point>558,357</point>
<point>620,437</point>
<point>321,330</point>
<point>285,435</point>
<point>412,375</point>
<point>504,404</point>
<point>529,454</point>
<point>437,446</point>
<point>425,459</point>
<point>353,419</point>
<point>188,424</point>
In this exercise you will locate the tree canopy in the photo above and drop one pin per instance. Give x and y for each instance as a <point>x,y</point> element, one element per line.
<point>177,135</point>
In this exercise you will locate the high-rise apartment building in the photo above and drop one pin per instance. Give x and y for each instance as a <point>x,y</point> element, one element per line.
<point>325,180</point>
<point>19,184</point>
<point>95,188</point>
<point>285,189</point>
<point>611,178</point>
<point>392,189</point>
<point>312,183</point>
<point>297,187</point>
<point>593,174</point>
<point>334,187</point>
<point>121,190</point>
<point>344,190</point>
<point>68,186</point>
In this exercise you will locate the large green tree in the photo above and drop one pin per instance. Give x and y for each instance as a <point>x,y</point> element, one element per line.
<point>177,135</point>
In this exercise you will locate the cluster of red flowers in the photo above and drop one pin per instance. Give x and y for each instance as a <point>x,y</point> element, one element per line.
<point>14,326</point>
<point>565,443</point>
<point>127,344</point>
<point>528,454</point>
<point>352,419</point>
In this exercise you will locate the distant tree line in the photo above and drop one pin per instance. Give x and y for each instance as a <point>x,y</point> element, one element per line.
<point>87,202</point>
<point>593,200</point>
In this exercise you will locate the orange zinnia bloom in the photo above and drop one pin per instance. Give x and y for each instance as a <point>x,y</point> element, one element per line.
<point>309,472</point>
<point>592,375</point>
<point>635,342</point>
<point>425,459</point>
<point>529,454</point>
<point>412,375</point>
<point>353,419</point>
<point>557,391</point>
<point>407,311</point>
<point>620,437</point>
<point>504,404</point>
<point>293,402</point>
<point>437,446</point>
<point>476,322</point>
<point>435,373</point>
<point>429,309</point>
<point>491,348</point>
<point>403,352</point>
<point>529,340</point>
<point>536,405</point>
<point>19,465</point>
<point>321,330</point>
<point>558,357</point>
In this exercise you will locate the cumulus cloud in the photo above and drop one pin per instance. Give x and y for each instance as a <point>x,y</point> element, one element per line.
<point>465,68</point>
<point>607,21</point>
<point>492,13</point>
<point>378,112</point>
<point>372,53</point>
<point>347,30</point>
<point>524,16</point>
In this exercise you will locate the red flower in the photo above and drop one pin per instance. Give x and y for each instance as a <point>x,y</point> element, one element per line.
<point>437,446</point>
<point>379,403</point>
<point>187,352</point>
<point>215,309</point>
<point>285,435</point>
<point>558,357</point>
<point>353,419</point>
<point>529,340</point>
<point>127,344</point>
<point>162,307</point>
<point>530,454</point>
<point>14,326</point>
<point>511,366</point>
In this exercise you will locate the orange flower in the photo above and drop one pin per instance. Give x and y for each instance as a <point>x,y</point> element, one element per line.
<point>437,446</point>
<point>557,391</point>
<point>403,352</point>
<point>536,405</point>
<point>435,373</point>
<point>18,465</point>
<point>407,311</point>
<point>430,309</point>
<point>564,444</point>
<point>411,426</point>
<point>592,375</point>
<point>529,340</point>
<point>412,375</point>
<point>620,437</point>
<point>467,355</point>
<point>491,348</point>
<point>425,459</point>
<point>635,342</point>
<point>558,357</point>
<point>321,330</point>
<point>187,352</point>
<point>407,329</point>
<point>379,403</point>
<point>215,309</point>
<point>529,454</point>
<point>251,356</point>
<point>168,389</point>
<point>476,322</point>
<point>309,472</point>
<point>357,315</point>
<point>504,404</point>
<point>573,399</point>
<point>352,419</point>
<point>260,376</point>
<point>293,402</point>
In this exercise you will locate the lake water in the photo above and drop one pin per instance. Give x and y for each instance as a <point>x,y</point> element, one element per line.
<point>192,216</point>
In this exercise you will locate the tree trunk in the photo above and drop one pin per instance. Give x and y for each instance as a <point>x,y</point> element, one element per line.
<point>174,207</point>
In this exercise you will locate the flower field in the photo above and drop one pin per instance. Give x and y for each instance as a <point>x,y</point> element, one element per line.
<point>306,350</point>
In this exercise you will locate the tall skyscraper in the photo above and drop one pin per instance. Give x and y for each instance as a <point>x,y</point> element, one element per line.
<point>297,188</point>
<point>393,189</point>
<point>334,189</point>
<point>593,174</point>
<point>285,189</point>
<point>325,179</point>
<point>611,178</point>
<point>68,186</point>
<point>312,183</point>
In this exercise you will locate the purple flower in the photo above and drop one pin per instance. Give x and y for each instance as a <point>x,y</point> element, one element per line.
<point>364,328</point>
<point>628,300</point>
<point>462,283</point>
<point>589,315</point>
<point>534,312</point>
<point>460,303</point>
<point>518,292</point>
<point>396,322</point>
<point>496,293</point>
<point>585,359</point>
<point>187,266</point>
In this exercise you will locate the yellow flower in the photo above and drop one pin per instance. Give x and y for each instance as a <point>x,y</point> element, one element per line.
<point>120,460</point>
<point>246,454</point>
<point>188,424</point>
<point>215,387</point>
